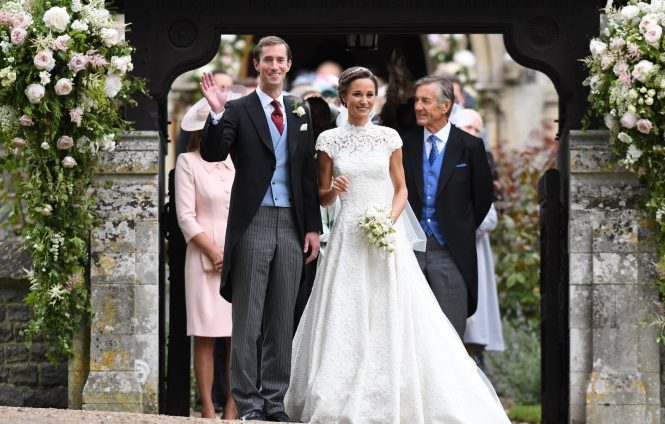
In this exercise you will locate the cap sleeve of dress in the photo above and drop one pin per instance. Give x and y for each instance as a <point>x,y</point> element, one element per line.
<point>394,140</point>
<point>325,143</point>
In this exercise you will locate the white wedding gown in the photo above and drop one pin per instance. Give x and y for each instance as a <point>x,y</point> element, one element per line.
<point>373,345</point>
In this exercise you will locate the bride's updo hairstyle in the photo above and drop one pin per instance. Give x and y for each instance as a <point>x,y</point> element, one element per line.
<point>352,74</point>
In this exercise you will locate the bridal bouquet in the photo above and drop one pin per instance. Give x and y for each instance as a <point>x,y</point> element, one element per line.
<point>378,228</point>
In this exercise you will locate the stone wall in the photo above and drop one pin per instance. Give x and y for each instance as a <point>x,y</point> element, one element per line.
<point>614,356</point>
<point>124,340</point>
<point>26,377</point>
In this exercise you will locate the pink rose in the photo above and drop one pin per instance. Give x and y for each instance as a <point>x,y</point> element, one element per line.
<point>35,93</point>
<point>628,120</point>
<point>644,126</point>
<point>17,35</point>
<point>78,62</point>
<point>60,43</point>
<point>653,34</point>
<point>76,115</point>
<point>18,142</point>
<point>65,142</point>
<point>24,21</point>
<point>44,60</point>
<point>648,21</point>
<point>620,67</point>
<point>26,121</point>
<point>63,87</point>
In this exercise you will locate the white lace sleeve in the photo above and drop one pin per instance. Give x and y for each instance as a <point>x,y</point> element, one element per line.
<point>394,140</point>
<point>325,144</point>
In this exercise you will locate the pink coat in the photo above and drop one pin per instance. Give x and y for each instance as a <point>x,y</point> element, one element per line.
<point>203,193</point>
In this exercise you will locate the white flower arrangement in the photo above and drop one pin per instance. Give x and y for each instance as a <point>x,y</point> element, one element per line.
<point>627,91</point>
<point>63,82</point>
<point>378,228</point>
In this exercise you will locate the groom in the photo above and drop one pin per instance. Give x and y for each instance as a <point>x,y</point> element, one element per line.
<point>450,191</point>
<point>273,226</point>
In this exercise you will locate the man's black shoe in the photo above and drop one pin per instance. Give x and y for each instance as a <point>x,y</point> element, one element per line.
<point>280,417</point>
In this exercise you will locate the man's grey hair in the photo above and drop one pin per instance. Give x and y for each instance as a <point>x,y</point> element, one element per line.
<point>445,86</point>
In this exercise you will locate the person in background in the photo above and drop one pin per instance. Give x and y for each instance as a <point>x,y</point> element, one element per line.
<point>483,329</point>
<point>202,198</point>
<point>450,189</point>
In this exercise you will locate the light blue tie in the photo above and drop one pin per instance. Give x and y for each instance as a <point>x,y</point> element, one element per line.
<point>434,153</point>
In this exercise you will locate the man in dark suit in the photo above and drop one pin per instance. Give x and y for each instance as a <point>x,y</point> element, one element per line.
<point>450,191</point>
<point>273,226</point>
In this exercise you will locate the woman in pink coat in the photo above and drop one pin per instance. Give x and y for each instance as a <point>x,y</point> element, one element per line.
<point>203,193</point>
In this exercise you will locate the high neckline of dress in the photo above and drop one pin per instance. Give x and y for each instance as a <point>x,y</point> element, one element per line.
<point>357,127</point>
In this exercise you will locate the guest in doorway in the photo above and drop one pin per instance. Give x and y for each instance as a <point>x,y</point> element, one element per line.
<point>202,201</point>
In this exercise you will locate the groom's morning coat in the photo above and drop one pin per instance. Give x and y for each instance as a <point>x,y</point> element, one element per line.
<point>244,133</point>
<point>463,198</point>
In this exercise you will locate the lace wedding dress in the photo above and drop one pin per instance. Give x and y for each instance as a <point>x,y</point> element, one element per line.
<point>373,345</point>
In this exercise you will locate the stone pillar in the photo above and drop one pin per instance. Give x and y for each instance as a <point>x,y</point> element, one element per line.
<point>124,341</point>
<point>614,356</point>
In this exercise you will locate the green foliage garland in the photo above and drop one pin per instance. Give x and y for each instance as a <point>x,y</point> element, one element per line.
<point>63,87</point>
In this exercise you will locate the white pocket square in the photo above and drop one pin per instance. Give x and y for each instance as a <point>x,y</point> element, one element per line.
<point>303,127</point>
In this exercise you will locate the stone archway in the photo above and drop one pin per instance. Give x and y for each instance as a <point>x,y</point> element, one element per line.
<point>173,36</point>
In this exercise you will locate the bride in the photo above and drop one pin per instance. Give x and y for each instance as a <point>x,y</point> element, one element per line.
<point>373,345</point>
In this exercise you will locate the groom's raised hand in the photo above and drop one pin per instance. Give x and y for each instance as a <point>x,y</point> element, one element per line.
<point>215,96</point>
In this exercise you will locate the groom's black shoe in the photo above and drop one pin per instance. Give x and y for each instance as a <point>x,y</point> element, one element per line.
<point>254,416</point>
<point>280,417</point>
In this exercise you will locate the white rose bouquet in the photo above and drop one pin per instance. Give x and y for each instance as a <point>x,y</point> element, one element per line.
<point>64,84</point>
<point>378,228</point>
<point>627,90</point>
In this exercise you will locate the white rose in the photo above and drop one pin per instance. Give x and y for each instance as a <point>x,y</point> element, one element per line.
<point>63,87</point>
<point>649,101</point>
<point>110,37</point>
<point>45,145</point>
<point>122,64</point>
<point>79,26</point>
<point>606,61</point>
<point>610,122</point>
<point>68,162</point>
<point>65,142</point>
<point>625,138</point>
<point>629,119</point>
<point>18,35</point>
<point>644,126</point>
<point>60,43</point>
<point>112,85</point>
<point>632,94</point>
<point>46,209</point>
<point>35,93</point>
<point>44,60</point>
<point>641,70</point>
<point>56,19</point>
<point>629,12</point>
<point>597,47</point>
<point>653,34</point>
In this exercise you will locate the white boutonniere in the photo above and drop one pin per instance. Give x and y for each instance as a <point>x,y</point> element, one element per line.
<point>298,110</point>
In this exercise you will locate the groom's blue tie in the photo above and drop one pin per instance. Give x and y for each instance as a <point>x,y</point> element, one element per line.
<point>434,153</point>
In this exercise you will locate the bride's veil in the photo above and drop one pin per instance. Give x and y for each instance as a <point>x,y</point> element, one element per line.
<point>409,227</point>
